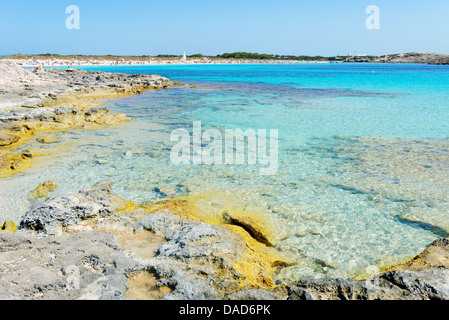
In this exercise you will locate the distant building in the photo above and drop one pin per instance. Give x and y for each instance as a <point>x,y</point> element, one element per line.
<point>349,57</point>
<point>358,58</point>
<point>362,58</point>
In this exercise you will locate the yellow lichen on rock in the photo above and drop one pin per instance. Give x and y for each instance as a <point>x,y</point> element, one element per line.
<point>41,191</point>
<point>255,227</point>
<point>92,98</point>
<point>47,139</point>
<point>143,286</point>
<point>129,207</point>
<point>435,256</point>
<point>76,106</point>
<point>260,259</point>
<point>8,226</point>
<point>260,262</point>
<point>7,139</point>
<point>11,162</point>
<point>182,208</point>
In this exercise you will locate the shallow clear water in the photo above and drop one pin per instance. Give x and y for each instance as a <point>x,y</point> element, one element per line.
<point>363,157</point>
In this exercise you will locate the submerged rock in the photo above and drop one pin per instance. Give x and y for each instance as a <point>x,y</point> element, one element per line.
<point>175,257</point>
<point>197,260</point>
<point>51,215</point>
<point>58,118</point>
<point>198,252</point>
<point>7,139</point>
<point>45,100</point>
<point>426,277</point>
<point>27,122</point>
<point>41,191</point>
<point>252,226</point>
<point>47,139</point>
<point>165,191</point>
<point>11,162</point>
<point>427,284</point>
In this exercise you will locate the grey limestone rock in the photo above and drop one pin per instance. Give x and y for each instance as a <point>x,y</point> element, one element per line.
<point>88,265</point>
<point>196,261</point>
<point>51,215</point>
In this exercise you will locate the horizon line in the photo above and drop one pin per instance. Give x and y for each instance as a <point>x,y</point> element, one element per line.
<point>167,55</point>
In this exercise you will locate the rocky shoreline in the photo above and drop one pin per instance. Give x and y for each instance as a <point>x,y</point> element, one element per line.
<point>94,245</point>
<point>41,101</point>
<point>70,87</point>
<point>414,57</point>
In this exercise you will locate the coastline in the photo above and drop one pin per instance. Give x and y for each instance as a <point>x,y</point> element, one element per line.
<point>41,101</point>
<point>175,62</point>
<point>74,109</point>
<point>193,258</point>
<point>48,60</point>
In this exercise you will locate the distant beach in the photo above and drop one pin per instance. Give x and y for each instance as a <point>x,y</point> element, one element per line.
<point>79,63</point>
<point>48,60</point>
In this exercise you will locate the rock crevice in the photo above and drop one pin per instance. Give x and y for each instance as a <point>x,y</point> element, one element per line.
<point>177,258</point>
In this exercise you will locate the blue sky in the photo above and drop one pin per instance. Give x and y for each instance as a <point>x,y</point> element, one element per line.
<point>147,27</point>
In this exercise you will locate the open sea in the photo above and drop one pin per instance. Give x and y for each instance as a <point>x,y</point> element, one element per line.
<point>363,178</point>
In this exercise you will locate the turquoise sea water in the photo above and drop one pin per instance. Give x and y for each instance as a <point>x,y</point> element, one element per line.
<point>363,156</point>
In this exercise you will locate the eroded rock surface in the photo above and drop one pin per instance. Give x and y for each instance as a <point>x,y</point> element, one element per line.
<point>23,123</point>
<point>174,258</point>
<point>7,139</point>
<point>426,277</point>
<point>196,260</point>
<point>195,252</point>
<point>52,215</point>
<point>38,100</point>
<point>25,88</point>
<point>88,265</point>
<point>413,57</point>
<point>426,284</point>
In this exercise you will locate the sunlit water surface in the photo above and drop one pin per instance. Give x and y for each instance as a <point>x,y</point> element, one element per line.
<point>363,157</point>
